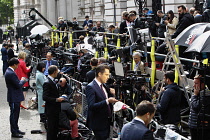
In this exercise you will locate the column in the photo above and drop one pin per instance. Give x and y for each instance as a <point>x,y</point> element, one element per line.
<point>63,9</point>
<point>51,11</point>
<point>44,9</point>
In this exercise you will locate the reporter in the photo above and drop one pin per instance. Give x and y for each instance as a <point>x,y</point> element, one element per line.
<point>137,128</point>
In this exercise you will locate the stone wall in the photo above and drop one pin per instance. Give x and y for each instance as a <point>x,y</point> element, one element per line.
<point>102,10</point>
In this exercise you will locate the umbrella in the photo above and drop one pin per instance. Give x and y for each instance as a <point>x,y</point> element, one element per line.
<point>200,44</point>
<point>188,35</point>
<point>39,29</point>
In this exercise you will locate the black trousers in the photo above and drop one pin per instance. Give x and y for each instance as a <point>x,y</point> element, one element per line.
<point>198,134</point>
<point>52,125</point>
<point>14,116</point>
<point>102,135</point>
<point>5,66</point>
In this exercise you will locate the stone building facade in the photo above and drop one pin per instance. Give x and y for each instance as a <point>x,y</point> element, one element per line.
<point>102,10</point>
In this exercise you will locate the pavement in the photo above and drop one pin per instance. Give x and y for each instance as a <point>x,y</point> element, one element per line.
<point>28,120</point>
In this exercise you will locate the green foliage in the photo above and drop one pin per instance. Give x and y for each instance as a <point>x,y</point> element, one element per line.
<point>6,10</point>
<point>9,28</point>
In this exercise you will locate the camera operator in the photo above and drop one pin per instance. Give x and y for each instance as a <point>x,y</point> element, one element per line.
<point>67,118</point>
<point>146,11</point>
<point>139,64</point>
<point>112,39</point>
<point>170,100</point>
<point>161,26</point>
<point>84,56</point>
<point>64,88</point>
<point>98,27</point>
<point>46,49</point>
<point>135,22</point>
<point>91,74</point>
<point>137,128</point>
<point>61,25</point>
<point>197,130</point>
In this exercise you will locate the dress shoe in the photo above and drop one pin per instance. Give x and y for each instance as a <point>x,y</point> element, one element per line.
<point>16,135</point>
<point>22,133</point>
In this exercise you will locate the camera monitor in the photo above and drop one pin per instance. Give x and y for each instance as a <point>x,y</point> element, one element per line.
<point>133,34</point>
<point>118,69</point>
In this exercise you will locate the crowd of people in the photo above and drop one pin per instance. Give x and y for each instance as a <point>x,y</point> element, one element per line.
<point>54,91</point>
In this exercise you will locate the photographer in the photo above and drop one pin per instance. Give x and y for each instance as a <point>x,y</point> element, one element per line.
<point>171,22</point>
<point>135,22</point>
<point>161,25</point>
<point>199,102</point>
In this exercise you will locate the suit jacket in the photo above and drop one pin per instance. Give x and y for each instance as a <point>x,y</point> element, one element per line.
<point>138,24</point>
<point>14,86</point>
<point>4,54</point>
<point>141,68</point>
<point>97,118</point>
<point>53,62</point>
<point>136,130</point>
<point>90,75</point>
<point>123,28</point>
<point>50,93</point>
<point>11,53</point>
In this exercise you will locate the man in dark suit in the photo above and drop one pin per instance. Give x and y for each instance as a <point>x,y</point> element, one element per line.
<point>137,128</point>
<point>135,22</point>
<point>52,105</point>
<point>125,23</point>
<point>100,101</point>
<point>14,96</point>
<point>10,51</point>
<point>48,62</point>
<point>91,74</point>
<point>4,57</point>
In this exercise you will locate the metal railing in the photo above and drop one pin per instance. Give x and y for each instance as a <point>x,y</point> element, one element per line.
<point>79,96</point>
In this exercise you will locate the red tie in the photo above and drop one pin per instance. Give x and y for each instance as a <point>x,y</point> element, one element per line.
<point>109,110</point>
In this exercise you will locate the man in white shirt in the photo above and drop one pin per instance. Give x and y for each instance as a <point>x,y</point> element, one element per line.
<point>100,100</point>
